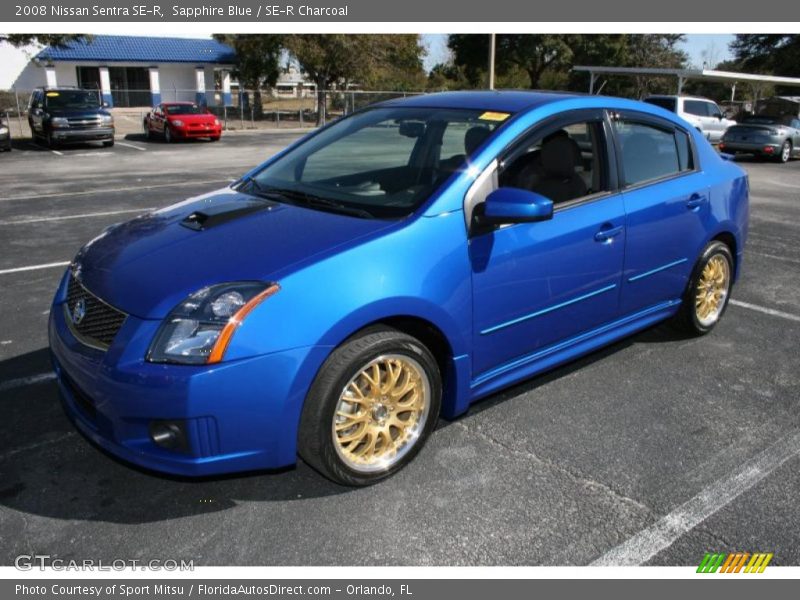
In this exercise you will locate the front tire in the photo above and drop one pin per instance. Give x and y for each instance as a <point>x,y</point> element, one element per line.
<point>371,407</point>
<point>108,143</point>
<point>708,291</point>
<point>168,137</point>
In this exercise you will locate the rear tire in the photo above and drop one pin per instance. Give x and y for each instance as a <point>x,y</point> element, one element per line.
<point>708,291</point>
<point>356,432</point>
<point>785,153</point>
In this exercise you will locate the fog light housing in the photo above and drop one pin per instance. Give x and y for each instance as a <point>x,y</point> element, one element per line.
<point>769,149</point>
<point>170,435</point>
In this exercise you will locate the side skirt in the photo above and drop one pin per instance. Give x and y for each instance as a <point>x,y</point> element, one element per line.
<point>565,351</point>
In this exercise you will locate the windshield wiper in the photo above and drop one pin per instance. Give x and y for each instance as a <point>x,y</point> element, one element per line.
<point>297,196</point>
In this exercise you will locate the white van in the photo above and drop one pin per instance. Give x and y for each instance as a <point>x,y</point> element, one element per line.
<point>702,113</point>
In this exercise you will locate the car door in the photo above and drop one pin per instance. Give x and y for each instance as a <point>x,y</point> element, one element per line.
<point>697,112</point>
<point>795,123</point>
<point>716,123</point>
<point>667,209</point>
<point>37,112</point>
<point>158,119</point>
<point>536,285</point>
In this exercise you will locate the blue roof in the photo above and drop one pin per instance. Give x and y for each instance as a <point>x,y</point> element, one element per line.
<point>129,48</point>
<point>507,100</point>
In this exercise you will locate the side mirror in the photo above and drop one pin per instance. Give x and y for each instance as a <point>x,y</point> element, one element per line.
<point>514,205</point>
<point>412,129</point>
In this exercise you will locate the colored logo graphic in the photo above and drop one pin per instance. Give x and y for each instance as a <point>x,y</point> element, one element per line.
<point>735,562</point>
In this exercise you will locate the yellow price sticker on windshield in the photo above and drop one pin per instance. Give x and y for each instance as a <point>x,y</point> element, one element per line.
<point>52,94</point>
<point>493,116</point>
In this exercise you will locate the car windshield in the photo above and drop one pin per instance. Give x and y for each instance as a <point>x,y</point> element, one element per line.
<point>667,103</point>
<point>184,109</point>
<point>382,162</point>
<point>62,99</point>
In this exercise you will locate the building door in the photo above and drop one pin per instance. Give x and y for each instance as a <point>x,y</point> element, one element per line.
<point>130,86</point>
<point>88,78</point>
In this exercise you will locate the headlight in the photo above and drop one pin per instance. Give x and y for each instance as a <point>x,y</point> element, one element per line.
<point>59,122</point>
<point>3,130</point>
<point>216,122</point>
<point>107,119</point>
<point>177,123</point>
<point>199,329</point>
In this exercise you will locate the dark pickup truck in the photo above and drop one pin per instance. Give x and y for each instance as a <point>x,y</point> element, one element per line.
<point>69,115</point>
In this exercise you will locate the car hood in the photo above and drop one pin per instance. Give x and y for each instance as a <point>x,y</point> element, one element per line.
<point>148,265</point>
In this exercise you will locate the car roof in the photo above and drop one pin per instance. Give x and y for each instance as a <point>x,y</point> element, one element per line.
<point>183,103</point>
<point>499,100</point>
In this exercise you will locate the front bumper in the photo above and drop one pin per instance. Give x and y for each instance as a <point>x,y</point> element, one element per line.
<point>213,131</point>
<point>75,136</point>
<point>237,416</point>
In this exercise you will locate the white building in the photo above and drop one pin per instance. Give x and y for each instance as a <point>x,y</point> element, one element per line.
<point>129,70</point>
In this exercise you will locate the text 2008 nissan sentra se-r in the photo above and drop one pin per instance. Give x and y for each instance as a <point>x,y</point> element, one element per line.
<point>387,270</point>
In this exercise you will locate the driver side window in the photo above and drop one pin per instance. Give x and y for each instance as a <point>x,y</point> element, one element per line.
<point>563,164</point>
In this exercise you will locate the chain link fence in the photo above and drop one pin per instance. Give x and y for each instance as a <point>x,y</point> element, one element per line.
<point>245,109</point>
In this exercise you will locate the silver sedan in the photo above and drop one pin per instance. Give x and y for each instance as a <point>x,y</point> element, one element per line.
<point>763,135</point>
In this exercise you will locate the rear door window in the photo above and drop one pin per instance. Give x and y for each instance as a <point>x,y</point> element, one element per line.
<point>650,152</point>
<point>696,107</point>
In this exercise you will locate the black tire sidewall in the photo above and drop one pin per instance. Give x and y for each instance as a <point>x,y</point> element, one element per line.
<point>714,248</point>
<point>316,445</point>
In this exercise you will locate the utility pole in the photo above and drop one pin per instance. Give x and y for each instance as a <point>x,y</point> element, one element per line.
<point>492,44</point>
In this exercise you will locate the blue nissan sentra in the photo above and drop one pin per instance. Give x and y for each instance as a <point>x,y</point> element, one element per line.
<point>387,270</point>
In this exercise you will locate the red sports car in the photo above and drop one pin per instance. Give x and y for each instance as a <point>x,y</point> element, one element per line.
<point>181,120</point>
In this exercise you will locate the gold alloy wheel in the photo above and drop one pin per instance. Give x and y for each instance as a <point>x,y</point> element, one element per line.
<point>381,413</point>
<point>712,290</point>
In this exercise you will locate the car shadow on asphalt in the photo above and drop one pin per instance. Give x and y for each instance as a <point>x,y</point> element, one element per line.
<point>48,469</point>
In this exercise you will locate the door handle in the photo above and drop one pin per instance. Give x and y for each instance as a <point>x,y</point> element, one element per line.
<point>607,234</point>
<point>695,201</point>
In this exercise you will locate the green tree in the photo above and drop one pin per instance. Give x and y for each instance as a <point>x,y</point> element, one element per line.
<point>59,40</point>
<point>534,54</point>
<point>769,53</point>
<point>340,60</point>
<point>257,62</point>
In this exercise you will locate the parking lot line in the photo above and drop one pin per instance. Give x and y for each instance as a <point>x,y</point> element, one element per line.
<point>661,535</point>
<point>82,216</point>
<point>34,267</point>
<point>131,146</point>
<point>57,152</point>
<point>113,190</point>
<point>24,381</point>
<point>766,311</point>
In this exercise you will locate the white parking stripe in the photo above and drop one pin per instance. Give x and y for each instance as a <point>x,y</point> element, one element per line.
<point>131,146</point>
<point>34,267</point>
<point>83,216</point>
<point>665,532</point>
<point>114,190</point>
<point>766,311</point>
<point>57,152</point>
<point>23,381</point>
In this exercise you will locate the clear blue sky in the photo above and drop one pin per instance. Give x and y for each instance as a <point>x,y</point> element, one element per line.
<point>698,46</point>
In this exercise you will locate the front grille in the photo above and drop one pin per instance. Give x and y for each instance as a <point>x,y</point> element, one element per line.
<point>93,322</point>
<point>84,122</point>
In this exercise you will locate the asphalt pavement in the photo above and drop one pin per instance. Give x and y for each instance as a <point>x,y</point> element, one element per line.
<point>652,451</point>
